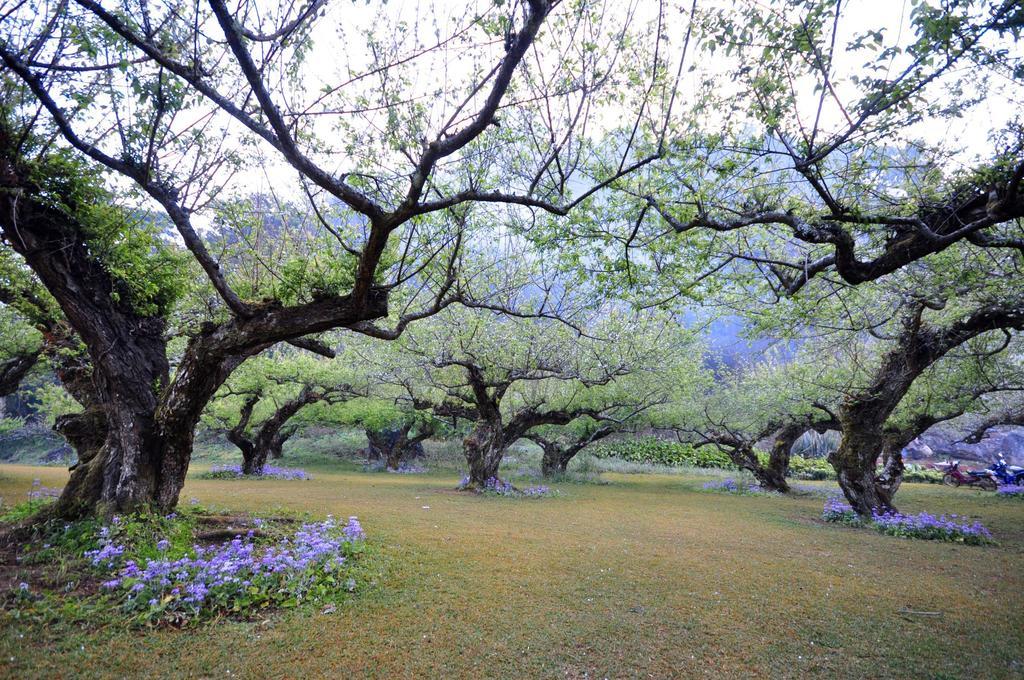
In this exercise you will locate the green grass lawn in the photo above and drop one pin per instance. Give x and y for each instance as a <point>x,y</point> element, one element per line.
<point>646,576</point>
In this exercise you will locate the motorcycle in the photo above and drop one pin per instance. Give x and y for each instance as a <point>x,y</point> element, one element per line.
<point>954,476</point>
<point>1007,474</point>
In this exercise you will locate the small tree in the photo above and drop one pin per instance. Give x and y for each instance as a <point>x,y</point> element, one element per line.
<point>257,406</point>
<point>560,445</point>
<point>778,400</point>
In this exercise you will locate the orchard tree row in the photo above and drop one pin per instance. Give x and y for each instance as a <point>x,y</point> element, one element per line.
<point>193,193</point>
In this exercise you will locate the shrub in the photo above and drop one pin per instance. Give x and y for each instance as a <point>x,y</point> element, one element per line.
<point>655,451</point>
<point>812,469</point>
<point>269,472</point>
<point>921,474</point>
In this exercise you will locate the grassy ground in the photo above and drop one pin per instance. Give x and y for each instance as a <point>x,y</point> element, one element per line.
<point>646,576</point>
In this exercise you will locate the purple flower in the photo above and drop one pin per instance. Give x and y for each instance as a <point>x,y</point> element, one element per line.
<point>269,472</point>
<point>1011,491</point>
<point>215,577</point>
<point>534,491</point>
<point>163,544</point>
<point>922,525</point>
<point>928,526</point>
<point>353,531</point>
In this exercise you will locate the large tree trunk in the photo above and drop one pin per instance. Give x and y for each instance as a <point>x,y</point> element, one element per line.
<point>863,415</point>
<point>484,448</point>
<point>395,446</point>
<point>278,442</point>
<point>855,463</point>
<point>150,421</point>
<point>773,476</point>
<point>554,460</point>
<point>557,455</point>
<point>252,462</point>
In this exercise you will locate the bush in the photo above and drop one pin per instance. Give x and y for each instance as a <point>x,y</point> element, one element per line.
<point>653,451</point>
<point>921,474</point>
<point>812,469</point>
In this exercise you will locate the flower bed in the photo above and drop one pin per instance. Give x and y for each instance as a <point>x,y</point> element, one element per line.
<point>497,487</point>
<point>923,525</point>
<point>837,510</point>
<point>39,491</point>
<point>407,469</point>
<point>236,576</point>
<point>269,472</point>
<point>1011,491</point>
<point>729,485</point>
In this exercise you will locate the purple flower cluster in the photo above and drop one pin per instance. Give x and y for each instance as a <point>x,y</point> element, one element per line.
<point>535,491</point>
<point>269,472</point>
<point>502,488</point>
<point>1011,491</point>
<point>232,575</point>
<point>39,491</point>
<point>729,485</point>
<point>922,525</point>
<point>407,469</point>
<point>353,530</point>
<point>505,488</point>
<point>928,526</point>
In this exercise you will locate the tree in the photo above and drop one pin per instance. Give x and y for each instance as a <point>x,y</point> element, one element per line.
<point>561,446</point>
<point>828,169</point>
<point>864,412</point>
<point>193,115</point>
<point>1010,414</point>
<point>33,328</point>
<point>399,445</point>
<point>258,405</point>
<point>776,399</point>
<point>20,351</point>
<point>508,377</point>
